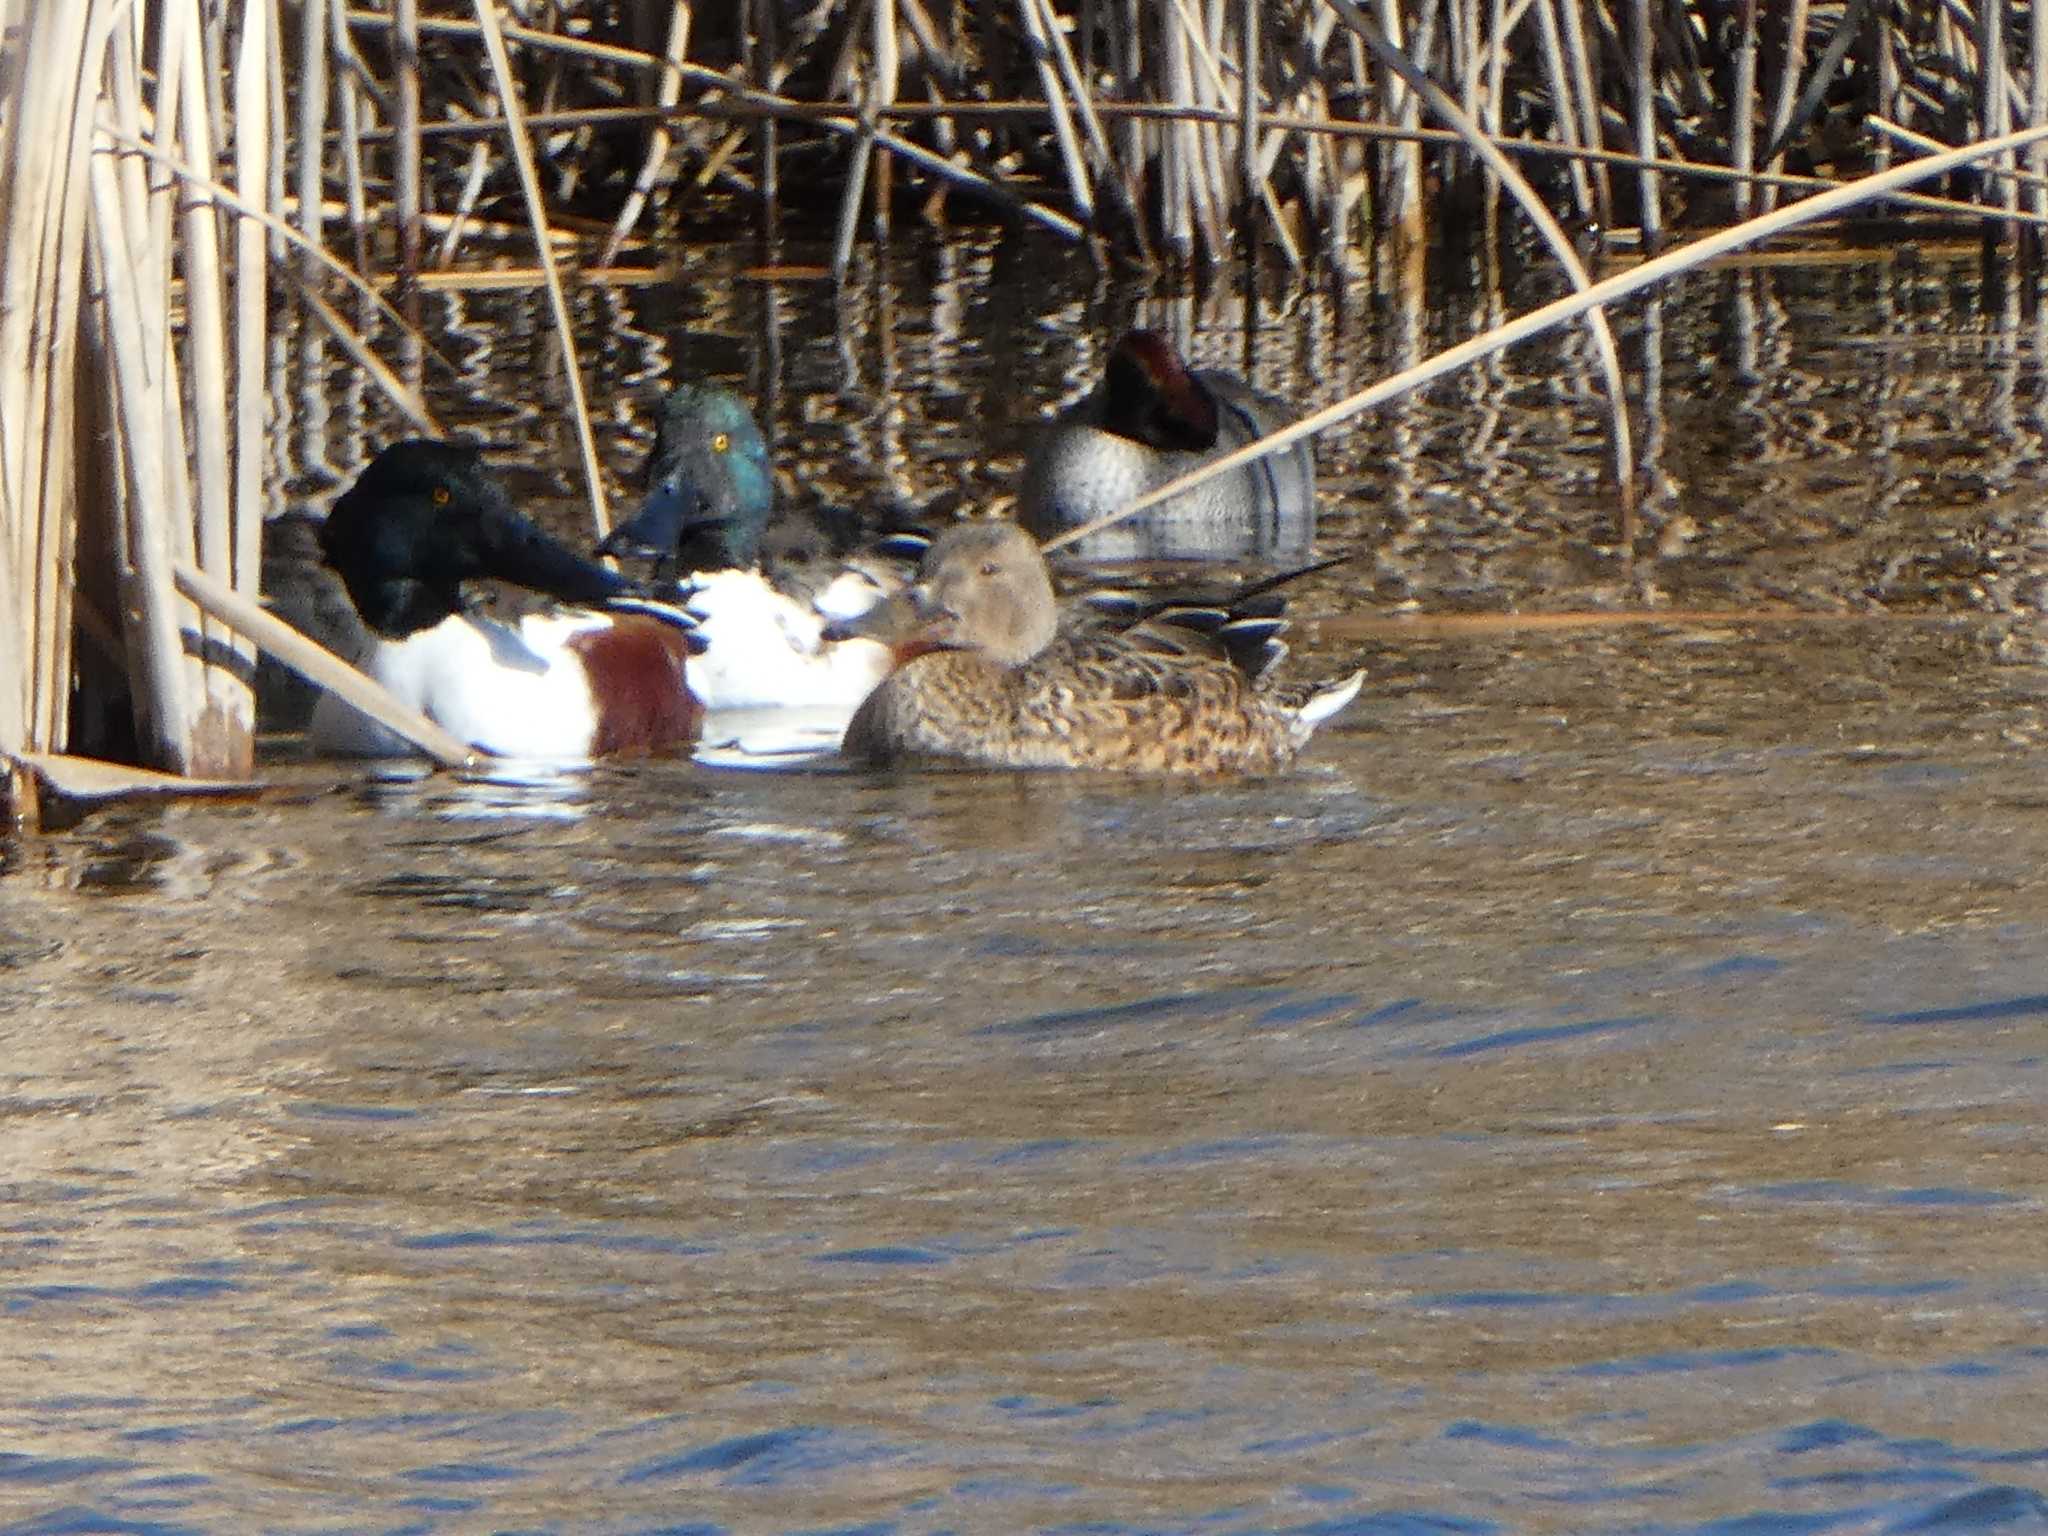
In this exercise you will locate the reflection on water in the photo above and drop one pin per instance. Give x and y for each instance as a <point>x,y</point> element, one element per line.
<point>1598,1091</point>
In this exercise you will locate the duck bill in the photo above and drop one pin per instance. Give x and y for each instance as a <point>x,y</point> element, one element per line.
<point>900,621</point>
<point>515,550</point>
<point>674,508</point>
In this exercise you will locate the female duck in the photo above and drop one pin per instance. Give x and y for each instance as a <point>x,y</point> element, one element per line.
<point>579,683</point>
<point>990,676</point>
<point>1150,420</point>
<point>762,584</point>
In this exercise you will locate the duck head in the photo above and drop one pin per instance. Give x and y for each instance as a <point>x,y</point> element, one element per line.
<point>709,486</point>
<point>425,517</point>
<point>984,587</point>
<point>1149,396</point>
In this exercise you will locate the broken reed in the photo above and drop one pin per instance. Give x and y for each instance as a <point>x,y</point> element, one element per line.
<point>145,145</point>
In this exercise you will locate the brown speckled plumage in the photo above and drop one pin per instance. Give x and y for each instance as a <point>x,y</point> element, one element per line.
<point>1008,687</point>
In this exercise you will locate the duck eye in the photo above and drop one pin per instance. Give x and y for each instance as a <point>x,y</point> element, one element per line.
<point>442,496</point>
<point>721,441</point>
<point>990,568</point>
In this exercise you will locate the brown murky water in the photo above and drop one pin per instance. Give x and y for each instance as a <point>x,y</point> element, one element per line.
<point>1599,1091</point>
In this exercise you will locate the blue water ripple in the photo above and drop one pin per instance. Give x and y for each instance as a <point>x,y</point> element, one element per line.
<point>1395,1523</point>
<point>17,1467</point>
<point>1180,1004</point>
<point>1512,1436</point>
<point>1823,1435</point>
<point>1699,1359</point>
<point>766,1459</point>
<point>464,1472</point>
<point>1982,1510</point>
<point>886,1254</point>
<point>1540,1034</point>
<point>1968,1013</point>
<point>76,1521</point>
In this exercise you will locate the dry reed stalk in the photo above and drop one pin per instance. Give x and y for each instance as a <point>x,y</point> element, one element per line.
<point>253,153</point>
<point>43,190</point>
<point>460,217</point>
<point>1066,86</point>
<point>1685,258</point>
<point>668,91</point>
<point>887,72</point>
<point>159,679</point>
<point>395,389</point>
<point>321,666</point>
<point>1810,99</point>
<point>1560,243</point>
<point>1885,73</point>
<point>2037,101</point>
<point>1564,121</point>
<point>353,128</point>
<point>1260,149</point>
<point>856,185</point>
<point>164,521</point>
<point>277,171</point>
<point>1404,190</point>
<point>558,303</point>
<point>1249,75</point>
<point>223,740</point>
<point>320,259</point>
<point>1208,186</point>
<point>1205,38</point>
<point>1994,101</point>
<point>1922,142</point>
<point>1790,63</point>
<point>1035,17</point>
<point>1133,136</point>
<point>1742,115</point>
<point>1178,150</point>
<point>1586,90</point>
<point>405,171</point>
<point>312,129</point>
<point>1643,82</point>
<point>761,46</point>
<point>1500,26</point>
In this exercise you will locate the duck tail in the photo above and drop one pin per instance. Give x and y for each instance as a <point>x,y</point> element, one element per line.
<point>1330,698</point>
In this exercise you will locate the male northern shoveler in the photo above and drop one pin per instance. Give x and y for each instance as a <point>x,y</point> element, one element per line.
<point>1150,420</point>
<point>762,582</point>
<point>583,682</point>
<point>990,675</point>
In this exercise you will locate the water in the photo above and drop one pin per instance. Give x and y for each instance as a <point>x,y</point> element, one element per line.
<point>1598,1091</point>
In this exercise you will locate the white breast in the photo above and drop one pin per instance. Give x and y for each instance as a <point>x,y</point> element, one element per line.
<point>766,650</point>
<point>512,692</point>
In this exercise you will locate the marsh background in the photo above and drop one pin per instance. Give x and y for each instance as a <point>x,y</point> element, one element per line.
<point>1597,1091</point>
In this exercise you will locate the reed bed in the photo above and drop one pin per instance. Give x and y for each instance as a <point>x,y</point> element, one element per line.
<point>179,179</point>
<point>1193,130</point>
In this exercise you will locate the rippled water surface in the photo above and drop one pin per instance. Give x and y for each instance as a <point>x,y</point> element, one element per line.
<point>1600,1090</point>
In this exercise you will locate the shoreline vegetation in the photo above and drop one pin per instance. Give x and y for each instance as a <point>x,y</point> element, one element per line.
<point>184,184</point>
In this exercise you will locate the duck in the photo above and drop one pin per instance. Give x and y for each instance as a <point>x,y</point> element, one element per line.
<point>1150,420</point>
<point>762,584</point>
<point>988,674</point>
<point>603,672</point>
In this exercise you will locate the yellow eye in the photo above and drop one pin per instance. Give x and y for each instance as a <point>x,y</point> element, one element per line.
<point>442,496</point>
<point>720,442</point>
